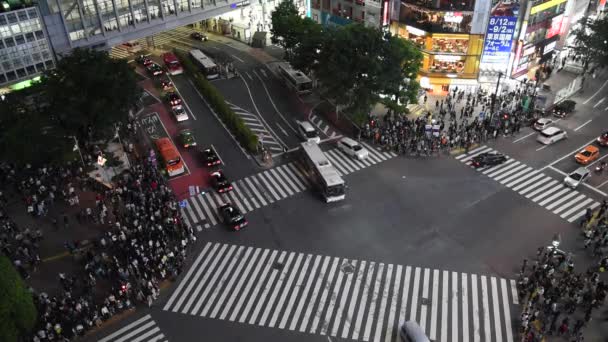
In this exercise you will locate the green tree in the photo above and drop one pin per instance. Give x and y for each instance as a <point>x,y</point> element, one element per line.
<point>591,40</point>
<point>310,41</point>
<point>90,89</point>
<point>286,25</point>
<point>17,310</point>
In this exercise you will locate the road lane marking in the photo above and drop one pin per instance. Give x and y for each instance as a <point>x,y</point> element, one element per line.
<point>568,155</point>
<point>583,125</point>
<point>590,187</point>
<point>445,300</point>
<point>496,311</point>
<point>260,115</point>
<point>476,335</point>
<point>524,137</point>
<point>282,129</point>
<point>248,75</point>
<point>296,290</point>
<point>601,185</point>
<point>296,316</point>
<point>542,148</point>
<point>455,307</point>
<point>599,102</point>
<point>238,59</point>
<point>506,310</point>
<point>179,153</point>
<point>393,309</point>
<point>273,104</point>
<point>425,296</point>
<point>597,92</point>
<point>353,303</point>
<point>606,108</point>
<point>264,73</point>
<point>434,304</point>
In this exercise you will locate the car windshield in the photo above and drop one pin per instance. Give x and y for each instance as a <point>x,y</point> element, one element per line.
<point>311,134</point>
<point>173,162</point>
<point>357,148</point>
<point>576,176</point>
<point>586,153</point>
<point>335,190</point>
<point>179,110</point>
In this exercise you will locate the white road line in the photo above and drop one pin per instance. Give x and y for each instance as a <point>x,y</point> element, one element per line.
<point>425,296</point>
<point>582,212</point>
<point>472,155</point>
<point>234,198</point>
<point>333,301</point>
<point>274,135</point>
<point>542,147</point>
<point>476,332</point>
<point>182,97</point>
<point>372,306</point>
<point>271,189</point>
<point>599,102</point>
<point>553,197</point>
<point>273,104</point>
<point>351,308</point>
<point>239,194</point>
<point>518,175</point>
<point>496,311</point>
<point>524,137</point>
<point>506,310</point>
<point>278,289</point>
<point>219,271</point>
<point>561,200</point>
<point>256,289</point>
<point>311,277</point>
<point>514,292</point>
<point>248,75</point>
<point>455,307</point>
<point>384,299</point>
<point>263,261</point>
<point>603,183</point>
<point>471,151</point>
<point>577,208</point>
<point>222,280</point>
<point>597,92</point>
<point>194,202</point>
<point>486,309</point>
<point>267,284</point>
<point>299,173</point>
<point>528,181</point>
<point>510,172</point>
<point>278,182</point>
<point>363,303</point>
<point>343,298</point>
<point>542,188</point>
<point>186,280</point>
<point>445,301</point>
<point>126,328</point>
<point>215,258</point>
<point>496,167</point>
<point>536,185</point>
<point>294,295</point>
<point>414,304</point>
<point>282,129</point>
<point>465,307</point>
<point>405,295</point>
<point>569,155</point>
<point>291,175</point>
<point>237,58</point>
<point>583,125</point>
<point>264,73</point>
<point>388,333</point>
<point>315,294</point>
<point>256,190</point>
<point>327,286</point>
<point>434,305</point>
<point>241,281</point>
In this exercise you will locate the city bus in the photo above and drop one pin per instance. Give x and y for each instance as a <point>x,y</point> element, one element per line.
<point>172,64</point>
<point>171,158</point>
<point>324,176</point>
<point>295,79</point>
<point>206,64</point>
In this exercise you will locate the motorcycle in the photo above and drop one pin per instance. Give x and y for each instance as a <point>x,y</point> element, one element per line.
<point>600,168</point>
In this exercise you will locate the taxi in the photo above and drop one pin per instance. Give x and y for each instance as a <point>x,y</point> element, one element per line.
<point>587,155</point>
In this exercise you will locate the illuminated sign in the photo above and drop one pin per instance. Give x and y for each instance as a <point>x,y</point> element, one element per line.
<point>529,50</point>
<point>385,20</point>
<point>448,58</point>
<point>499,38</point>
<point>556,26</point>
<point>549,47</point>
<point>415,31</point>
<point>545,5</point>
<point>453,17</point>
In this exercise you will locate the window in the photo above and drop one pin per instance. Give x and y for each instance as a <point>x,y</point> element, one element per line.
<point>31,70</point>
<point>12,18</point>
<point>29,37</point>
<point>9,42</point>
<point>20,39</point>
<point>2,78</point>
<point>22,15</point>
<point>21,73</point>
<point>3,20</point>
<point>39,34</point>
<point>48,64</point>
<point>32,12</point>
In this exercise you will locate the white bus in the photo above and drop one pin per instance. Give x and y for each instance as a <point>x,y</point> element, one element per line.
<point>206,64</point>
<point>295,79</point>
<point>324,176</point>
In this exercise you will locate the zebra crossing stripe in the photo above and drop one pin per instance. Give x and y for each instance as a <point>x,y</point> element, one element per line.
<point>384,299</point>
<point>314,295</point>
<point>333,301</point>
<point>506,166</point>
<point>296,290</point>
<point>256,289</point>
<point>445,300</point>
<point>126,328</point>
<point>414,304</point>
<point>237,256</point>
<point>405,295</point>
<point>363,303</point>
<point>425,295</point>
<point>343,169</point>
<point>473,154</point>
<point>261,189</point>
<point>351,307</point>
<point>497,167</point>
<point>454,306</point>
<point>239,194</point>
<point>465,308</point>
<point>186,281</point>
<point>542,188</point>
<point>286,290</point>
<point>266,185</point>
<point>300,307</point>
<point>561,200</point>
<point>220,256</point>
<point>322,301</point>
<point>373,303</point>
<point>300,174</point>
<point>393,309</point>
<point>510,172</point>
<point>514,291</point>
<point>277,288</point>
<point>496,311</point>
<point>234,199</point>
<point>568,204</point>
<point>245,189</point>
<point>476,335</point>
<point>291,178</point>
<point>284,182</point>
<point>255,191</point>
<point>199,199</point>
<point>471,151</point>
<point>530,180</point>
<point>434,304</point>
<point>517,175</point>
<point>288,181</point>
<point>246,260</point>
<point>506,310</point>
<point>576,208</point>
<point>347,159</point>
<point>582,212</point>
<point>561,190</point>
<point>344,297</point>
<point>255,273</point>
<point>374,152</point>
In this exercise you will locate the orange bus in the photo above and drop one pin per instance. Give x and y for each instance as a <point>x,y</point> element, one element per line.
<point>173,161</point>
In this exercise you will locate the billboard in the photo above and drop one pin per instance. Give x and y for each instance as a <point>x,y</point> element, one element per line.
<point>505,8</point>
<point>499,37</point>
<point>556,26</point>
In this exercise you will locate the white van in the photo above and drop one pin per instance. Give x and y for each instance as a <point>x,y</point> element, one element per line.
<point>353,148</point>
<point>308,132</point>
<point>410,331</point>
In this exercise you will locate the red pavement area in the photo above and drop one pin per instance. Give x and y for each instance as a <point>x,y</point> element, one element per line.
<point>197,173</point>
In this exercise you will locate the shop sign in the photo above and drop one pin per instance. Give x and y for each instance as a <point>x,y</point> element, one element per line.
<point>447,58</point>
<point>453,17</point>
<point>385,19</point>
<point>499,37</point>
<point>549,47</point>
<point>415,31</point>
<point>529,50</point>
<point>556,26</point>
<point>545,5</point>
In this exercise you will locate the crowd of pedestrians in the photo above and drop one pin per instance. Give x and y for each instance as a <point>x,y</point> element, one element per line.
<point>445,127</point>
<point>144,243</point>
<point>557,301</point>
<point>595,233</point>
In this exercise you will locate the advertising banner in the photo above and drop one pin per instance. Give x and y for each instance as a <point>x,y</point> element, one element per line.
<point>499,38</point>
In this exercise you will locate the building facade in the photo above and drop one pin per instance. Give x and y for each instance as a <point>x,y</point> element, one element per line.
<point>372,13</point>
<point>25,50</point>
<point>450,36</point>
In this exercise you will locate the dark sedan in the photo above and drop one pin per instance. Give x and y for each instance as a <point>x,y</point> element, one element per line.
<point>488,159</point>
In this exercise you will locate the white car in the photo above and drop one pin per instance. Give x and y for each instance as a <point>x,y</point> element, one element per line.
<point>542,123</point>
<point>180,114</point>
<point>308,132</point>
<point>353,148</point>
<point>550,135</point>
<point>577,177</point>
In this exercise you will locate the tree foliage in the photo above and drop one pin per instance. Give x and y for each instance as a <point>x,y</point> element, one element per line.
<point>17,310</point>
<point>357,66</point>
<point>591,40</point>
<point>88,89</point>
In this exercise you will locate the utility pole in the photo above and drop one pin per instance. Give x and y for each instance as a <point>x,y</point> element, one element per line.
<point>494,96</point>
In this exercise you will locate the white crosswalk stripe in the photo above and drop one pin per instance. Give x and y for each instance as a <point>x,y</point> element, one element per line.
<point>253,122</point>
<point>366,300</point>
<point>141,330</point>
<point>547,192</point>
<point>264,188</point>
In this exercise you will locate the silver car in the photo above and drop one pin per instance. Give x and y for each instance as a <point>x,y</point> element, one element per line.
<point>577,177</point>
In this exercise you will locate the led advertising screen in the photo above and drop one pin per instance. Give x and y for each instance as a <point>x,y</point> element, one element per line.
<point>499,37</point>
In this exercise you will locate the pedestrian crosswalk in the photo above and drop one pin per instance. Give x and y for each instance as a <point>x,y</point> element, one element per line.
<point>252,121</point>
<point>267,187</point>
<point>342,297</point>
<point>324,127</point>
<point>142,330</point>
<point>547,192</point>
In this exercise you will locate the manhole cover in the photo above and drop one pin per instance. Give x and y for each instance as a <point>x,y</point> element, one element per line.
<point>425,301</point>
<point>347,268</point>
<point>277,265</point>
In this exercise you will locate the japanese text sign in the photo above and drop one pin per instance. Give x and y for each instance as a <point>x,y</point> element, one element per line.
<point>499,37</point>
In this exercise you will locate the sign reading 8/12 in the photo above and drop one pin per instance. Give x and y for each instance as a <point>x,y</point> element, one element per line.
<point>499,39</point>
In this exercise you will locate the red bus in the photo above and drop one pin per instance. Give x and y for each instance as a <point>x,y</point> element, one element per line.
<point>172,64</point>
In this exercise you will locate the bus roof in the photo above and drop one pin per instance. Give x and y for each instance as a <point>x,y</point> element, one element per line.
<point>165,146</point>
<point>169,56</point>
<point>202,58</point>
<point>326,169</point>
<point>297,75</point>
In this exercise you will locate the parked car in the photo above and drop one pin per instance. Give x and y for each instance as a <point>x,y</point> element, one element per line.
<point>199,36</point>
<point>562,109</point>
